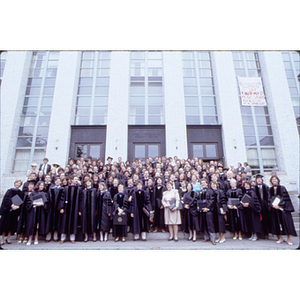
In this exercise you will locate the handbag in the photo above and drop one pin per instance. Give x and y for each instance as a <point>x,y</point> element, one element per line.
<point>120,220</point>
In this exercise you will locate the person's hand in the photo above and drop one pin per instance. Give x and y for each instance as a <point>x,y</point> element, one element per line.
<point>234,207</point>
<point>162,207</point>
<point>246,204</point>
<point>186,206</point>
<point>131,215</point>
<point>224,213</point>
<point>62,211</point>
<point>15,207</point>
<point>130,198</point>
<point>79,213</point>
<point>230,206</point>
<point>205,209</point>
<point>120,212</point>
<point>175,208</point>
<point>109,215</point>
<point>276,206</point>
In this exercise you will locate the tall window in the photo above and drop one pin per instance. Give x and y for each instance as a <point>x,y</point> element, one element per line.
<point>146,103</point>
<point>199,92</point>
<point>2,64</point>
<point>35,116</point>
<point>291,64</point>
<point>93,86</point>
<point>258,134</point>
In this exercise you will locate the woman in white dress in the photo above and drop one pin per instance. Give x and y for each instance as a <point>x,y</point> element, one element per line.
<point>170,201</point>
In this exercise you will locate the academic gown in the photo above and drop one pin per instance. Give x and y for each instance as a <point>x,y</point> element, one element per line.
<point>250,216</point>
<point>56,198</point>
<point>36,215</point>
<point>159,218</point>
<point>129,191</point>
<point>263,195</point>
<point>219,218</point>
<point>190,215</point>
<point>206,220</point>
<point>140,222</point>
<point>120,201</point>
<point>23,217</point>
<point>72,205</point>
<point>233,215</point>
<point>104,207</point>
<point>88,211</point>
<point>281,220</point>
<point>150,191</point>
<point>9,217</point>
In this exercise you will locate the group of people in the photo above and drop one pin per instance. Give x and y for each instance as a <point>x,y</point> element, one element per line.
<point>91,199</point>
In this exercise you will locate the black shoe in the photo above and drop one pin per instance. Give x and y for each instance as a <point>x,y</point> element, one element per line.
<point>170,239</point>
<point>176,240</point>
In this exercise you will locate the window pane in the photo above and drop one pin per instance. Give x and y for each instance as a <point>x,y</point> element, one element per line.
<point>54,55</point>
<point>192,111</point>
<point>137,101</point>
<point>95,151</point>
<point>27,121</point>
<point>81,151</point>
<point>207,101</point>
<point>206,82</point>
<point>29,111</point>
<point>41,142</point>
<point>155,110</point>
<point>247,120</point>
<point>34,81</point>
<point>39,154</point>
<point>250,141</point>
<point>99,119</point>
<point>87,64</point>
<point>249,130</point>
<point>152,119</point>
<point>264,130</point>
<point>187,55</point>
<point>137,88</point>
<point>42,131</point>
<point>138,55</point>
<point>152,150</point>
<point>52,63</point>
<point>189,81</point>
<point>246,110</point>
<point>154,72</point>
<point>82,120</point>
<point>101,101</point>
<point>51,72</point>
<point>155,100</point>
<point>198,151</point>
<point>26,131</point>
<point>268,153</point>
<point>102,81</point>
<point>261,110</point>
<point>33,91</point>
<point>100,111</point>
<point>48,91</point>
<point>139,151</point>
<point>137,72</point>
<point>262,120</point>
<point>210,120</point>
<point>104,54</point>
<point>50,81</point>
<point>189,72</point>
<point>188,64</point>
<point>88,55</point>
<point>20,166</point>
<point>47,101</point>
<point>137,63</point>
<point>86,72</point>
<point>24,142</point>
<point>240,73</point>
<point>189,90</point>
<point>82,110</point>
<point>204,64</point>
<point>211,151</point>
<point>102,90</point>
<point>204,55</point>
<point>207,91</point>
<point>191,101</point>
<point>35,72</point>
<point>30,101</point>
<point>84,101</point>
<point>44,121</point>
<point>209,110</point>
<point>103,63</point>
<point>266,141</point>
<point>192,120</point>
<point>22,154</point>
<point>205,72</point>
<point>86,81</point>
<point>103,72</point>
<point>45,111</point>
<point>86,90</point>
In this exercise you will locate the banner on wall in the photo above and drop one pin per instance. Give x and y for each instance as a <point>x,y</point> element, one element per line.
<point>252,92</point>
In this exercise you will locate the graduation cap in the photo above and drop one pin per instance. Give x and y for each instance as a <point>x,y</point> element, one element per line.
<point>226,169</point>
<point>259,176</point>
<point>109,158</point>
<point>55,165</point>
<point>31,182</point>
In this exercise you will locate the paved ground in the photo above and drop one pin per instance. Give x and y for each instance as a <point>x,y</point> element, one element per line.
<point>159,241</point>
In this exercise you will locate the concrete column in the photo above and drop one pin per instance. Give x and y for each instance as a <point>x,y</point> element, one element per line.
<point>282,117</point>
<point>176,134</point>
<point>13,89</point>
<point>228,105</point>
<point>117,115</point>
<point>63,107</point>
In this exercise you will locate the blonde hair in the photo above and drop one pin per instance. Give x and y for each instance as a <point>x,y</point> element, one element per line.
<point>18,180</point>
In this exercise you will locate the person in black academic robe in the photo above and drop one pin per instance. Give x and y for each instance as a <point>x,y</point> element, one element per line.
<point>250,214</point>
<point>149,188</point>
<point>56,196</point>
<point>88,211</point>
<point>129,189</point>
<point>120,205</point>
<point>233,215</point>
<point>159,216</point>
<point>10,212</point>
<point>206,215</point>
<point>220,211</point>
<point>31,178</point>
<point>21,228</point>
<point>71,210</point>
<point>36,214</point>
<point>140,222</point>
<point>182,191</point>
<point>263,194</point>
<point>281,218</point>
<point>191,222</point>
<point>104,211</point>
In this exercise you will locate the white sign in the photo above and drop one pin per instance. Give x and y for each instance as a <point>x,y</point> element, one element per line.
<point>252,92</point>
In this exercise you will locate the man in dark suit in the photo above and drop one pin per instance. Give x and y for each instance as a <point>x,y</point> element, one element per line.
<point>45,167</point>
